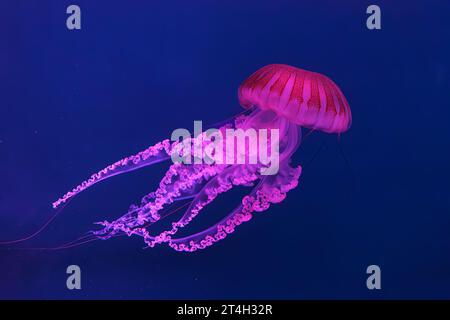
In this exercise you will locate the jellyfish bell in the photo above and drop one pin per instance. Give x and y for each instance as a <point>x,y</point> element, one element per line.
<point>276,96</point>
<point>306,98</point>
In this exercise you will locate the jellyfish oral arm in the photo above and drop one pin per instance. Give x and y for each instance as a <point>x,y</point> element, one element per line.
<point>154,154</point>
<point>260,199</point>
<point>204,183</point>
<point>200,184</point>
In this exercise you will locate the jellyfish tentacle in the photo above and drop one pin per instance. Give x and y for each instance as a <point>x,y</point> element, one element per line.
<point>153,154</point>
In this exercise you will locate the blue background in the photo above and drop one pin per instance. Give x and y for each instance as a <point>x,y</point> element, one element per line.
<point>72,102</point>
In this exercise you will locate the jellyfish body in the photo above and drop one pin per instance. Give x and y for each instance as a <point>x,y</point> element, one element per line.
<point>276,96</point>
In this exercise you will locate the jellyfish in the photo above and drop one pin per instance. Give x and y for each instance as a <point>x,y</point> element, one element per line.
<point>276,96</point>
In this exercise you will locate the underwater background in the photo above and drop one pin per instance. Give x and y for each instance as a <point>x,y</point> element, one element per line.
<point>72,102</point>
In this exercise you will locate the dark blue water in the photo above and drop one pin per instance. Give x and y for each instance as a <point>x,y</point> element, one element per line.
<point>72,102</point>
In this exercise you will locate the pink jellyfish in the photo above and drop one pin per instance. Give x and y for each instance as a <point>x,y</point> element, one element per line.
<point>276,96</point>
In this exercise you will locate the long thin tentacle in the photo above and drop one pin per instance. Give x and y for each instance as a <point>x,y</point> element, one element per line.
<point>36,232</point>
